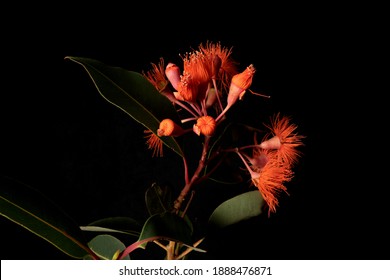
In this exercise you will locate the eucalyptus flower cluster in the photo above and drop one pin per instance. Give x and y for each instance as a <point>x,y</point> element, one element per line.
<point>203,89</point>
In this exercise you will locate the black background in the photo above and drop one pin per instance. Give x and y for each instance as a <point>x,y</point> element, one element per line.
<point>58,135</point>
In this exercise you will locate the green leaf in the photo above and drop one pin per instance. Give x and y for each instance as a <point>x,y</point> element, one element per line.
<point>32,210</point>
<point>103,229</point>
<point>167,226</point>
<point>133,93</point>
<point>119,224</point>
<point>107,246</point>
<point>164,226</point>
<point>158,199</point>
<point>126,229</point>
<point>236,209</point>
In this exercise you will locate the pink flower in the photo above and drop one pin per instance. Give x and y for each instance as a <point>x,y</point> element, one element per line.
<point>172,72</point>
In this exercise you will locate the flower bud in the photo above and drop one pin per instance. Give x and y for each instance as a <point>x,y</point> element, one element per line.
<point>216,65</point>
<point>169,128</point>
<point>211,97</point>
<point>271,144</point>
<point>205,125</point>
<point>172,72</point>
<point>240,83</point>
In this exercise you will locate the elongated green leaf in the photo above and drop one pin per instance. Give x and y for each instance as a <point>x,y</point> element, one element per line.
<point>107,247</point>
<point>132,93</point>
<point>119,224</point>
<point>236,209</point>
<point>103,229</point>
<point>33,211</point>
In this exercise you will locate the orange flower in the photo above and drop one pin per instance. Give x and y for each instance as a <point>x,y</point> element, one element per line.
<point>187,88</point>
<point>285,140</point>
<point>196,77</point>
<point>268,174</point>
<point>154,143</point>
<point>270,180</point>
<point>157,77</point>
<point>222,66</point>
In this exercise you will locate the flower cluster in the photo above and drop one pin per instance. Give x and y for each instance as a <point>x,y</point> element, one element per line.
<point>176,103</point>
<point>203,90</point>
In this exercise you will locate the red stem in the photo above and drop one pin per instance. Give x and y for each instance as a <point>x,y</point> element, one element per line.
<point>195,176</point>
